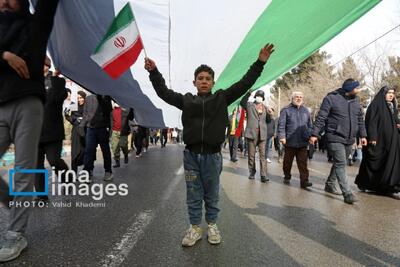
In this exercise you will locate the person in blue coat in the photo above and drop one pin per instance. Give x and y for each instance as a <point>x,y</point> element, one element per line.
<point>294,130</point>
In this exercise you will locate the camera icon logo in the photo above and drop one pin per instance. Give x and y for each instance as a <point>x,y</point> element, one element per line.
<point>19,171</point>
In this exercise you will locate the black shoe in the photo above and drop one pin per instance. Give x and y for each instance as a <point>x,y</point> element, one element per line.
<point>251,177</point>
<point>117,164</point>
<point>332,190</point>
<point>286,180</point>
<point>396,188</point>
<point>306,184</point>
<point>126,159</point>
<point>234,160</point>
<point>264,179</point>
<point>349,199</point>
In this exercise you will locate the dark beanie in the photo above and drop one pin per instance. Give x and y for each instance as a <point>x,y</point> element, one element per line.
<point>349,85</point>
<point>260,93</point>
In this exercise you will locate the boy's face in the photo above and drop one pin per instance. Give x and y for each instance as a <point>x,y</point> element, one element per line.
<point>204,83</point>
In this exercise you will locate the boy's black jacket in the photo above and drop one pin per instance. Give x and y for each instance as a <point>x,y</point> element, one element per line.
<point>204,118</point>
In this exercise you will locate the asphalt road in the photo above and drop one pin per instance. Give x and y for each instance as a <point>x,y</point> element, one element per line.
<point>268,224</point>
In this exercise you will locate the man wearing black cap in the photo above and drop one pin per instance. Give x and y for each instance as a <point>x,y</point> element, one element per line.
<point>256,132</point>
<point>341,114</point>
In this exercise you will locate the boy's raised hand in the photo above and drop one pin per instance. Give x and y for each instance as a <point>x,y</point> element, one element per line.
<point>149,64</point>
<point>266,52</point>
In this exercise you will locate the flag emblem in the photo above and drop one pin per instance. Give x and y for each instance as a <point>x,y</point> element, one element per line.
<point>120,42</point>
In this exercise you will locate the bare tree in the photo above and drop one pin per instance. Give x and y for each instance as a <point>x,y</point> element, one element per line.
<point>374,64</point>
<point>314,77</point>
<point>349,69</point>
<point>392,76</point>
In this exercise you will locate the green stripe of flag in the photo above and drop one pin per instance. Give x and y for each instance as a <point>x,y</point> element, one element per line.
<point>124,18</point>
<point>297,29</point>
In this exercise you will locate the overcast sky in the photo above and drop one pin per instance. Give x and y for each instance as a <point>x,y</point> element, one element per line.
<point>383,17</point>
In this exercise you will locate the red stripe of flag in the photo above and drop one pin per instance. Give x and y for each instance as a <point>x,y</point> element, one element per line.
<point>124,61</point>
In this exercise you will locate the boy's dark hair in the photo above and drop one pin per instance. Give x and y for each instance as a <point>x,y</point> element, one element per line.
<point>68,90</point>
<point>202,68</point>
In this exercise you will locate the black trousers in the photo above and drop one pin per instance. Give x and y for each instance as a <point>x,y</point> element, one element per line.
<point>52,151</point>
<point>164,139</point>
<point>139,143</point>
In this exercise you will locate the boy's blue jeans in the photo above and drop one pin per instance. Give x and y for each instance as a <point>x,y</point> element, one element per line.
<point>202,173</point>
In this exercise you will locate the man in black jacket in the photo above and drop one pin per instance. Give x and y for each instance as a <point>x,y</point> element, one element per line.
<point>341,114</point>
<point>204,119</point>
<point>23,41</point>
<point>52,136</point>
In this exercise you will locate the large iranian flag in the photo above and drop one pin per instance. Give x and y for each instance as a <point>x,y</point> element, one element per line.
<point>297,29</point>
<point>121,45</point>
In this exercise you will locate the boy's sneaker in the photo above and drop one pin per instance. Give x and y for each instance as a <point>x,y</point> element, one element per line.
<point>214,237</point>
<point>268,160</point>
<point>193,234</point>
<point>14,243</point>
<point>108,176</point>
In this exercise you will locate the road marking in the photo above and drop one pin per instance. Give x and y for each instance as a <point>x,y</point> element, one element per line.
<point>171,188</point>
<point>122,249</point>
<point>321,173</point>
<point>179,171</point>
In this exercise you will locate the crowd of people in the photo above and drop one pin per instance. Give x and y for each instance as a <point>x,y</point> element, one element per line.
<point>340,127</point>
<point>29,98</point>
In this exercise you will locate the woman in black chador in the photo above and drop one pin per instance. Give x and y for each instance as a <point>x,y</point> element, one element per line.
<point>380,166</point>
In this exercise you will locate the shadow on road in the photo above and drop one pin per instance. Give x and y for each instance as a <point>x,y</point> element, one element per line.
<point>323,232</point>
